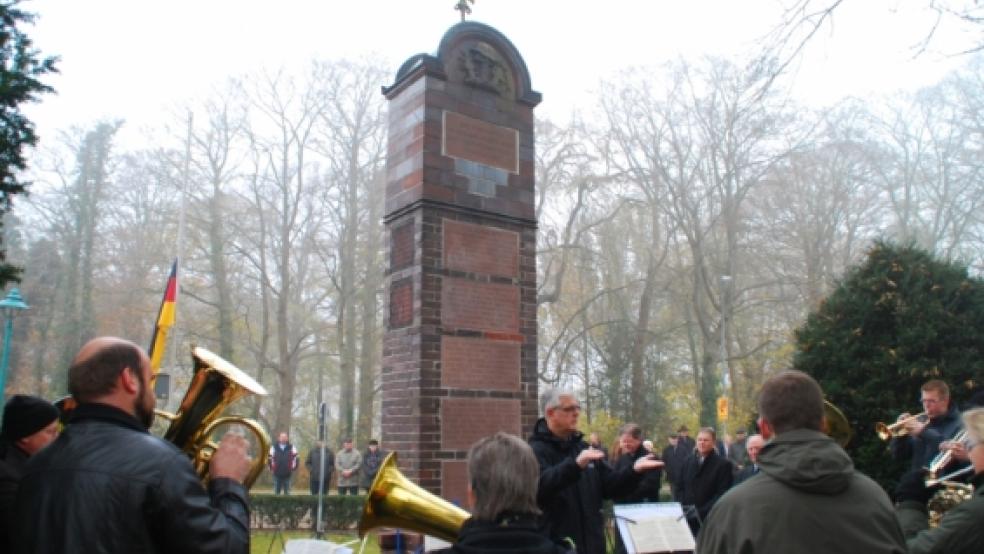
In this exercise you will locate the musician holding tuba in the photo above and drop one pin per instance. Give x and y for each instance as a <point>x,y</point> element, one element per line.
<point>107,485</point>
<point>960,530</point>
<point>923,435</point>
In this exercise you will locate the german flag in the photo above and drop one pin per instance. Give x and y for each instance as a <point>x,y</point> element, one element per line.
<point>165,320</point>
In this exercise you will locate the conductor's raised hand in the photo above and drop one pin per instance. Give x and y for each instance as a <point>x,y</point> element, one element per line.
<point>647,463</point>
<point>231,459</point>
<point>589,455</point>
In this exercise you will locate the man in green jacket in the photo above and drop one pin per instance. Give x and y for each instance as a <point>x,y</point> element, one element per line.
<point>807,497</point>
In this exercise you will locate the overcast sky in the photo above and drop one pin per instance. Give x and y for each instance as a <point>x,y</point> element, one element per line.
<point>138,59</point>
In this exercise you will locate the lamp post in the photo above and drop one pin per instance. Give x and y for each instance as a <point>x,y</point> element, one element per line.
<point>725,377</point>
<point>9,306</point>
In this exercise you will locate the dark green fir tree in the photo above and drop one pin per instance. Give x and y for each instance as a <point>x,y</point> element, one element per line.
<point>899,319</point>
<point>21,69</point>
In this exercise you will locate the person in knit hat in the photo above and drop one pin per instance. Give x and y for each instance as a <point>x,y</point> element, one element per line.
<point>29,424</point>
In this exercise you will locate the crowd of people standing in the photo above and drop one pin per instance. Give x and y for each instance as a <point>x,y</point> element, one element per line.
<point>106,485</point>
<point>355,470</point>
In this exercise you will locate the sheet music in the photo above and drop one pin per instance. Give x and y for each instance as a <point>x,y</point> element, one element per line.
<point>654,527</point>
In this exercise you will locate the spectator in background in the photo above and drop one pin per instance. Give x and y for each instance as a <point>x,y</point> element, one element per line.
<point>630,450</point>
<point>738,453</point>
<point>313,464</point>
<point>753,446</point>
<point>684,442</point>
<point>283,462</point>
<point>29,424</point>
<point>684,450</point>
<point>672,467</point>
<point>371,460</point>
<point>705,477</point>
<point>347,462</point>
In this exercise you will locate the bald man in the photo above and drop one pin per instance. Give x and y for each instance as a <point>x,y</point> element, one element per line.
<point>106,485</point>
<point>753,445</point>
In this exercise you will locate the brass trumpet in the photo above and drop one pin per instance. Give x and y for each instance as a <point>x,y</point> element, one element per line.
<point>897,429</point>
<point>216,384</point>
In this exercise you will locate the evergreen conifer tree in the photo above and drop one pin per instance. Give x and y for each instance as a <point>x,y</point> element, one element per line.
<point>20,73</point>
<point>899,319</point>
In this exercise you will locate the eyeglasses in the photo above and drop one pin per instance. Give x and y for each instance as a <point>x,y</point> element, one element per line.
<point>571,408</point>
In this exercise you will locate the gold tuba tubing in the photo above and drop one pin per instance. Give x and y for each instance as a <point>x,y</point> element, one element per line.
<point>395,501</point>
<point>215,385</point>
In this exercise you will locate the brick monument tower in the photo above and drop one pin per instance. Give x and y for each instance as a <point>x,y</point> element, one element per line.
<point>459,353</point>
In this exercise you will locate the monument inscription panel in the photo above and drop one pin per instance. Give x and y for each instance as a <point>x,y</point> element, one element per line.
<point>481,141</point>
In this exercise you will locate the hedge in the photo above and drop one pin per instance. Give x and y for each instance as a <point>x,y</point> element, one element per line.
<point>298,511</point>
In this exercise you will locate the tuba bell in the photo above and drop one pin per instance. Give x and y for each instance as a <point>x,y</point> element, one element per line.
<point>836,425</point>
<point>216,384</point>
<point>395,501</point>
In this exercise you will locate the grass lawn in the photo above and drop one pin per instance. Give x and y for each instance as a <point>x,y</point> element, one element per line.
<point>263,542</point>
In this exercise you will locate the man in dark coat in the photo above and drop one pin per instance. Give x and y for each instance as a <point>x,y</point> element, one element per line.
<point>313,464</point>
<point>574,480</point>
<point>684,442</point>
<point>738,453</point>
<point>922,443</point>
<point>107,485</point>
<point>683,450</point>
<point>672,467</point>
<point>630,450</point>
<point>753,445</point>
<point>29,424</point>
<point>371,461</point>
<point>808,498</point>
<point>704,478</point>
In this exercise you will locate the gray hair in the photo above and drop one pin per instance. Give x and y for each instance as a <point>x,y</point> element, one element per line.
<point>504,475</point>
<point>974,423</point>
<point>550,398</point>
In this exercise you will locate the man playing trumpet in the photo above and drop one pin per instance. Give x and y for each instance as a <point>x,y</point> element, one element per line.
<point>923,436</point>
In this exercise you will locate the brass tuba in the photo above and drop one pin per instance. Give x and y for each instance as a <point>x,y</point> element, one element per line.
<point>215,385</point>
<point>836,425</point>
<point>395,501</point>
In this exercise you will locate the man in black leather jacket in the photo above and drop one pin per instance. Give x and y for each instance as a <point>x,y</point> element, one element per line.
<point>107,486</point>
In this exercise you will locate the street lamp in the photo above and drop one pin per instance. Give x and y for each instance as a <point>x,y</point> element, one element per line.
<point>725,377</point>
<point>9,306</point>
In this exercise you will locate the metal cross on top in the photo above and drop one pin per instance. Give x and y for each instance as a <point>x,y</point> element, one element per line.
<point>463,7</point>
